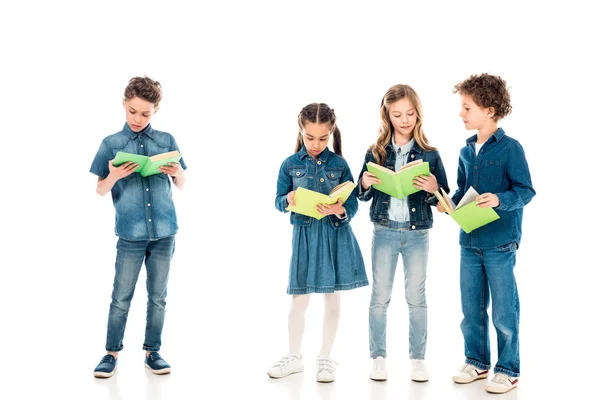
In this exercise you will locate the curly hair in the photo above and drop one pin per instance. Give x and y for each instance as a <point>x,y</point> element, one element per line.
<point>144,88</point>
<point>386,130</point>
<point>487,91</point>
<point>319,113</point>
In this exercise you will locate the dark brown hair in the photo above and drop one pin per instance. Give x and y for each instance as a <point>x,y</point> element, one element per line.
<point>386,130</point>
<point>144,88</point>
<point>487,91</point>
<point>319,113</point>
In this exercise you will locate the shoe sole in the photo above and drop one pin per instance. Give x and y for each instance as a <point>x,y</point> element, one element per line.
<point>325,381</point>
<point>283,376</point>
<point>104,374</point>
<point>469,380</point>
<point>378,379</point>
<point>499,390</point>
<point>419,379</point>
<point>163,371</point>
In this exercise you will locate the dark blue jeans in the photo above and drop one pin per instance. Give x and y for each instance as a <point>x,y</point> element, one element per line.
<point>485,272</point>
<point>130,257</point>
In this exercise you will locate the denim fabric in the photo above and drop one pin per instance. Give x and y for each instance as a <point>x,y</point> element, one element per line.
<point>320,175</point>
<point>421,216</point>
<point>387,244</point>
<point>144,208</point>
<point>499,167</point>
<point>130,255</point>
<point>485,272</point>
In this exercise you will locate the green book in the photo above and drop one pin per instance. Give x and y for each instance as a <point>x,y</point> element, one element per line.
<point>306,200</point>
<point>147,165</point>
<point>398,184</point>
<point>467,214</point>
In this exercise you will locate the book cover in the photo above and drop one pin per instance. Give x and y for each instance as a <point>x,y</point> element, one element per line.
<point>306,200</point>
<point>398,184</point>
<point>467,214</point>
<point>147,165</point>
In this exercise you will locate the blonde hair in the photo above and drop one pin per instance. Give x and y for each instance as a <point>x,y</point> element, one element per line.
<point>395,93</point>
<point>319,113</point>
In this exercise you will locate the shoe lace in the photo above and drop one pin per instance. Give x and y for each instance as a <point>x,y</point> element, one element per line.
<point>285,360</point>
<point>418,365</point>
<point>500,378</point>
<point>107,359</point>
<point>466,368</point>
<point>378,365</point>
<point>154,356</point>
<point>326,364</point>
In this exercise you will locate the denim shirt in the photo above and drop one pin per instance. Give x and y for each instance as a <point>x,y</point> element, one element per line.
<point>320,175</point>
<point>144,208</point>
<point>419,204</point>
<point>499,167</point>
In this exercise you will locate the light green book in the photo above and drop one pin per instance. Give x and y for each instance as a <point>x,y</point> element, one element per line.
<point>147,165</point>
<point>398,184</point>
<point>467,214</point>
<point>306,200</point>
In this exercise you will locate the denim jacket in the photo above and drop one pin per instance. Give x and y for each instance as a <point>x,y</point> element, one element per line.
<point>500,167</point>
<point>144,208</point>
<point>320,175</point>
<point>419,203</point>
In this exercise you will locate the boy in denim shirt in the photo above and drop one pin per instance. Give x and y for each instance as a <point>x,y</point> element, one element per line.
<point>494,164</point>
<point>146,223</point>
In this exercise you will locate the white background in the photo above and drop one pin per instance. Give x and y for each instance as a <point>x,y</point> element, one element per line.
<point>235,75</point>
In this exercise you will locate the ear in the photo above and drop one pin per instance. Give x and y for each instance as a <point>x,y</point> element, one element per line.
<point>155,110</point>
<point>491,111</point>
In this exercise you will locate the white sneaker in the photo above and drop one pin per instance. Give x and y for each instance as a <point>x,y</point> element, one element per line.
<point>325,369</point>
<point>419,371</point>
<point>289,364</point>
<point>379,371</point>
<point>468,373</point>
<point>501,383</point>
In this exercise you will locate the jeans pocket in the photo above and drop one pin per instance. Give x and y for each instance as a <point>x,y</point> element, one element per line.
<point>507,247</point>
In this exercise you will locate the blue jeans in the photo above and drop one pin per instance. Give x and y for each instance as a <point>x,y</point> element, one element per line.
<point>485,272</point>
<point>130,257</point>
<point>388,243</point>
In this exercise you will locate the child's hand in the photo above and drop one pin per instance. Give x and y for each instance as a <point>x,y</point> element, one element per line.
<point>290,198</point>
<point>122,171</point>
<point>426,183</point>
<point>172,169</point>
<point>329,209</point>
<point>487,200</point>
<point>440,208</point>
<point>368,179</point>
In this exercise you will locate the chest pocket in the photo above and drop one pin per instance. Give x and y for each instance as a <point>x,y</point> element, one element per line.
<point>492,171</point>
<point>298,175</point>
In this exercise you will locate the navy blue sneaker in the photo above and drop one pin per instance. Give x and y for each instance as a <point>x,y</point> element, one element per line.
<point>107,367</point>
<point>156,364</point>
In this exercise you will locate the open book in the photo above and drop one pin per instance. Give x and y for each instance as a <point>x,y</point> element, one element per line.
<point>467,214</point>
<point>306,200</point>
<point>147,165</point>
<point>398,184</point>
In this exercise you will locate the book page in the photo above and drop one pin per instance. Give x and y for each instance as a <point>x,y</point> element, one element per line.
<point>340,188</point>
<point>162,156</point>
<point>469,197</point>
<point>381,168</point>
<point>410,165</point>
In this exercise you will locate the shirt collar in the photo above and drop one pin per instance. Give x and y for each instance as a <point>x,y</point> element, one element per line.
<point>148,131</point>
<point>323,156</point>
<point>497,136</point>
<point>405,149</point>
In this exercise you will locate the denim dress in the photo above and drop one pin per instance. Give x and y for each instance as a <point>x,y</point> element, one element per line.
<point>325,253</point>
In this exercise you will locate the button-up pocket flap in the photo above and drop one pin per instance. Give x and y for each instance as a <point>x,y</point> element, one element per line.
<point>297,172</point>
<point>334,174</point>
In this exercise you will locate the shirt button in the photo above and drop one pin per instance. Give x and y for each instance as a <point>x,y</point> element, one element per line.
<point>321,180</point>
<point>337,224</point>
<point>412,227</point>
<point>412,156</point>
<point>414,209</point>
<point>297,173</point>
<point>141,145</point>
<point>147,190</point>
<point>332,175</point>
<point>319,162</point>
<point>149,219</point>
<point>148,204</point>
